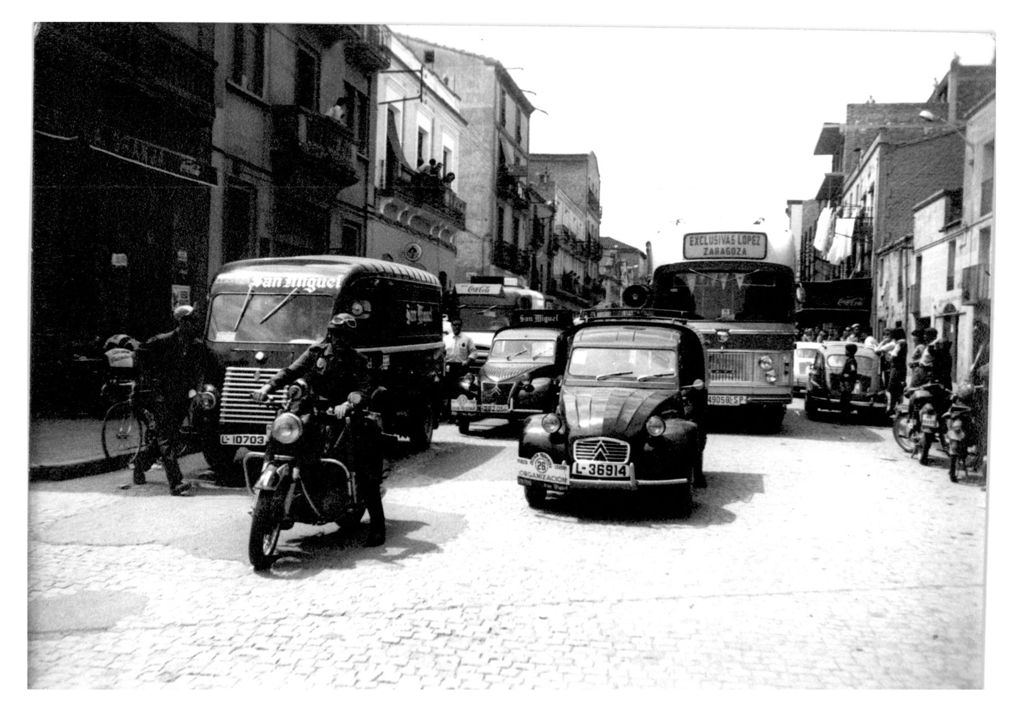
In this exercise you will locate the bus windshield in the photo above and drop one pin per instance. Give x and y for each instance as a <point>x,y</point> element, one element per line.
<point>716,292</point>
<point>291,317</point>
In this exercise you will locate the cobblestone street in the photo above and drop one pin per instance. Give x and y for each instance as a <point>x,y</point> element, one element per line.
<point>865,574</point>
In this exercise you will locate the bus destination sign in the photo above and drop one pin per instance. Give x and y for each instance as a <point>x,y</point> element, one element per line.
<point>725,246</point>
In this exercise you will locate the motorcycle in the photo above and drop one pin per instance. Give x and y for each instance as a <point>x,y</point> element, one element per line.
<point>965,431</point>
<point>917,424</point>
<point>309,468</point>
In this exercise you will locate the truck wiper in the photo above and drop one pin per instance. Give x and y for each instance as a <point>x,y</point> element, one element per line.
<point>520,352</point>
<point>280,304</point>
<point>245,305</point>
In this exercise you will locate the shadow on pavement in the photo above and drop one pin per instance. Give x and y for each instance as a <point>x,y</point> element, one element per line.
<point>309,554</point>
<point>451,459</point>
<point>651,508</point>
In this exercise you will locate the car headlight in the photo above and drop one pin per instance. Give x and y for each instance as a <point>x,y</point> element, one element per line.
<point>655,426</point>
<point>207,398</point>
<point>765,362</point>
<point>551,423</point>
<point>287,428</point>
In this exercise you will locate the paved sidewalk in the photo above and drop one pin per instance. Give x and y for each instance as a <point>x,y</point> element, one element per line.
<point>64,448</point>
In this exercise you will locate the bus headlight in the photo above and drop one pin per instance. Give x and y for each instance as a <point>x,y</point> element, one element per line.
<point>287,428</point>
<point>765,362</point>
<point>551,423</point>
<point>655,426</point>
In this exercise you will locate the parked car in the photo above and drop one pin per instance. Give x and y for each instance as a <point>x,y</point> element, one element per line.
<point>803,357</point>
<point>522,372</point>
<point>823,390</point>
<point>630,412</point>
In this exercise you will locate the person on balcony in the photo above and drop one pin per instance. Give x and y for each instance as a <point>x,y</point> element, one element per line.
<point>339,112</point>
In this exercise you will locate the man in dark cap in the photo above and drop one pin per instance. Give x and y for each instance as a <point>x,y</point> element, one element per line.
<point>170,365</point>
<point>333,369</point>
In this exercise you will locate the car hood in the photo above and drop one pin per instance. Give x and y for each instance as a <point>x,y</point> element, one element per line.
<point>614,412</point>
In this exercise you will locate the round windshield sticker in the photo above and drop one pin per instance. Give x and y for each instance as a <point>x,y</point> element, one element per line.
<point>541,462</point>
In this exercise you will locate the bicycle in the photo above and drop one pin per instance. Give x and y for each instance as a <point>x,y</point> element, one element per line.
<point>128,425</point>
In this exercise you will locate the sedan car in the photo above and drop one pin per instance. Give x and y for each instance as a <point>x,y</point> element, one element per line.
<point>823,389</point>
<point>629,416</point>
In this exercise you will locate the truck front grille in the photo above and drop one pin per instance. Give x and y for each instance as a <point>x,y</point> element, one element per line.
<point>236,405</point>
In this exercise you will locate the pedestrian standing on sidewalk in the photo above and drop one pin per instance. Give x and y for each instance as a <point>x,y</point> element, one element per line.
<point>170,365</point>
<point>895,351</point>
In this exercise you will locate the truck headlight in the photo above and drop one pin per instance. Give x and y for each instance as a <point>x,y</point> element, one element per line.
<point>551,423</point>
<point>287,428</point>
<point>655,426</point>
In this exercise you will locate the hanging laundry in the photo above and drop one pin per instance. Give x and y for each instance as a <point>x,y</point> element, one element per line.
<point>823,230</point>
<point>842,242</point>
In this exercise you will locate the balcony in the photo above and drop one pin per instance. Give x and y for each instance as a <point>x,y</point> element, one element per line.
<point>509,187</point>
<point>593,203</point>
<point>507,256</point>
<point>368,46</point>
<point>310,149</point>
<point>424,191</point>
<point>974,284</point>
<point>141,54</point>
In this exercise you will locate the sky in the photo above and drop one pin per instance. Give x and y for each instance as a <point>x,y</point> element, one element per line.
<point>699,124</point>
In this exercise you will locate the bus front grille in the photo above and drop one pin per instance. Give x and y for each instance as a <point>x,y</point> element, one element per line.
<point>728,367</point>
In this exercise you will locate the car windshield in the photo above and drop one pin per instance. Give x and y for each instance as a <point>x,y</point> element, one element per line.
<point>534,350</point>
<point>865,364</point>
<point>602,363</point>
<point>805,353</point>
<point>290,317</point>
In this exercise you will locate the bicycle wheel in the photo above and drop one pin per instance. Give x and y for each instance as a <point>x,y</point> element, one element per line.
<point>123,433</point>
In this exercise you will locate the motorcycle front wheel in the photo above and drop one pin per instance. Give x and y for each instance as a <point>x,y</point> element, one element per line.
<point>264,531</point>
<point>902,431</point>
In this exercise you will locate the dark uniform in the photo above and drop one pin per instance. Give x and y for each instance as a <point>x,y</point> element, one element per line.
<point>170,365</point>
<point>334,369</point>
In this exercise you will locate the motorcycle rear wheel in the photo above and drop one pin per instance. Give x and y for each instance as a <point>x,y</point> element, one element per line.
<point>264,531</point>
<point>901,424</point>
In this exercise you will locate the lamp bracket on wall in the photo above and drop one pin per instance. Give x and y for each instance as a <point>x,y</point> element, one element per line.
<point>419,97</point>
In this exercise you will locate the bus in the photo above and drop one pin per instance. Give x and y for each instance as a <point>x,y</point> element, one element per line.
<point>737,287</point>
<point>485,304</point>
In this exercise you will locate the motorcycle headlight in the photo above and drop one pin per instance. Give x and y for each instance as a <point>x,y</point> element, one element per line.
<point>286,429</point>
<point>765,362</point>
<point>655,426</point>
<point>551,423</point>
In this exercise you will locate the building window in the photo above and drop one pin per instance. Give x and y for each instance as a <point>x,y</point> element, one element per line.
<point>988,173</point>
<point>238,221</point>
<point>421,146</point>
<point>307,78</point>
<point>499,225</point>
<point>519,126</point>
<point>951,265</point>
<point>515,230</point>
<point>446,161</point>
<point>352,239</point>
<point>501,109</point>
<point>247,62</point>
<point>357,116</point>
<point>299,229</point>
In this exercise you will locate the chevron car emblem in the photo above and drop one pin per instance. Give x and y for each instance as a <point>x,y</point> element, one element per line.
<point>600,453</point>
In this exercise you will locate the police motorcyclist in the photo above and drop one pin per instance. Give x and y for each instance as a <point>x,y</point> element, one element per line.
<point>170,365</point>
<point>333,369</point>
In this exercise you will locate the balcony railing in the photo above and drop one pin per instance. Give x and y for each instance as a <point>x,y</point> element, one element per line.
<point>303,138</point>
<point>146,53</point>
<point>974,284</point>
<point>507,256</point>
<point>510,188</point>
<point>369,46</point>
<point>427,191</point>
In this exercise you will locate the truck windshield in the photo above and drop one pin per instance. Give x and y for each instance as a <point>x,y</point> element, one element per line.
<point>272,318</point>
<point>634,364</point>
<point>734,294</point>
